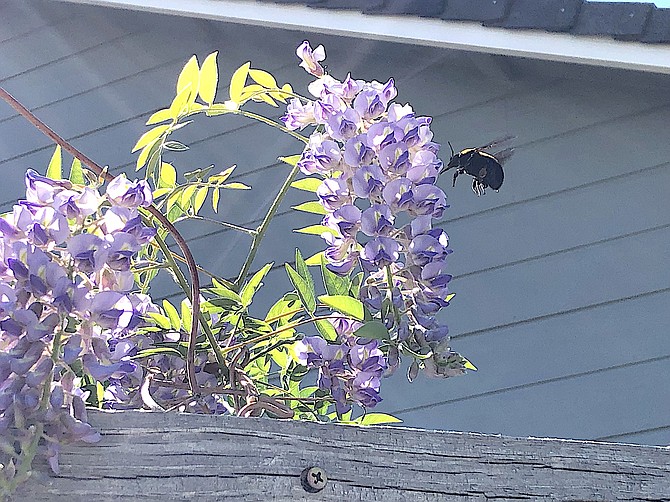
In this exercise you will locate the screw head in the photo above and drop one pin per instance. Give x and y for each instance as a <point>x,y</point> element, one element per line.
<point>313,479</point>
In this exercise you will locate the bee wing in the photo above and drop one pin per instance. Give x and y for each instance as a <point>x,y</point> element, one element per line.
<point>503,155</point>
<point>497,142</point>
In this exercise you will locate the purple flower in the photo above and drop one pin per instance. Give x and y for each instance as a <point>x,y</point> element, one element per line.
<point>41,190</point>
<point>398,194</point>
<point>394,158</point>
<point>377,220</point>
<point>122,247</point>
<point>379,252</point>
<point>311,58</point>
<point>333,193</point>
<point>346,220</point>
<point>428,199</point>
<point>129,194</point>
<point>357,152</point>
<point>298,116</point>
<point>88,252</point>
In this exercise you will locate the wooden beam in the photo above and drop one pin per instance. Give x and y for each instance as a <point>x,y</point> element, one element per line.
<point>155,456</point>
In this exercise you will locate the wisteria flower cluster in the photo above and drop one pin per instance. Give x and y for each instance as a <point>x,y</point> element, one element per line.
<point>66,306</point>
<point>379,167</point>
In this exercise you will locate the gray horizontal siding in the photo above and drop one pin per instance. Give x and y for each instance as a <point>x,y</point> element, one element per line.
<point>561,278</point>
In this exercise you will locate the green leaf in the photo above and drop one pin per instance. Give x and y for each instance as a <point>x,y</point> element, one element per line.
<point>175,146</point>
<point>180,103</point>
<point>356,284</point>
<point>150,137</point>
<point>168,176</point>
<point>311,207</point>
<point>378,418</point>
<point>209,78</point>
<point>301,286</point>
<point>186,314</point>
<point>237,82</point>
<point>335,284</point>
<point>317,230</point>
<point>161,320</point>
<point>344,304</point>
<point>157,351</point>
<point>216,194</point>
<point>301,268</point>
<point>199,199</point>
<point>77,173</point>
<point>55,170</point>
<point>172,314</point>
<point>282,311</point>
<point>249,290</point>
<point>236,185</point>
<point>189,78</point>
<point>326,330</point>
<point>374,330</point>
<point>307,184</point>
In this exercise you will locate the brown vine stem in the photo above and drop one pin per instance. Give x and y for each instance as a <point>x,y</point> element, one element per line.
<point>162,219</point>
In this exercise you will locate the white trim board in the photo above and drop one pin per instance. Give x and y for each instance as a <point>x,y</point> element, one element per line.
<point>595,51</point>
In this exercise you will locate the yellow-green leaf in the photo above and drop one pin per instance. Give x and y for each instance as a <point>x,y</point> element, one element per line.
<point>237,82</point>
<point>160,116</point>
<point>180,103</point>
<point>200,197</point>
<point>55,169</point>
<point>186,195</point>
<point>468,365</point>
<point>315,259</point>
<point>186,314</point>
<point>222,176</point>
<point>311,207</point>
<point>215,199</point>
<point>150,137</point>
<point>317,230</point>
<point>236,185</point>
<point>307,184</point>
<point>159,192</point>
<point>378,418</point>
<point>168,177</point>
<point>172,314</point>
<point>145,154</point>
<point>209,78</point>
<point>291,160</point>
<point>77,173</point>
<point>345,304</point>
<point>264,78</point>
<point>189,76</point>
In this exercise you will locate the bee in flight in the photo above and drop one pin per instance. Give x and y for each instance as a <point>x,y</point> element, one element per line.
<point>484,167</point>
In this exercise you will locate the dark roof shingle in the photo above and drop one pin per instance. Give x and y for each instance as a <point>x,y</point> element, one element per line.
<point>633,21</point>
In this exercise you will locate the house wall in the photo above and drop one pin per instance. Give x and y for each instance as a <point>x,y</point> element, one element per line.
<point>561,278</point>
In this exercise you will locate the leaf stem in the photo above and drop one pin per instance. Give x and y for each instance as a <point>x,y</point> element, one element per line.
<point>263,227</point>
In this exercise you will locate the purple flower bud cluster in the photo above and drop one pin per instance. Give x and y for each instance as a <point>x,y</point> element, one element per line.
<point>66,305</point>
<point>380,167</point>
<point>350,370</point>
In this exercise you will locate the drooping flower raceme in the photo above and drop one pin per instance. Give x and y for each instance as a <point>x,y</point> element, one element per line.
<point>66,254</point>
<point>379,167</point>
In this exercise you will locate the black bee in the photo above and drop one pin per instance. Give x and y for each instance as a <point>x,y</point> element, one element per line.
<point>484,167</point>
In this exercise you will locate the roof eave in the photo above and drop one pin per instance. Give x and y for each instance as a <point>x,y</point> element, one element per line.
<point>595,51</point>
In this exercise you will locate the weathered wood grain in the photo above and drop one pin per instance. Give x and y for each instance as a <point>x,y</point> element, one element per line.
<point>150,456</point>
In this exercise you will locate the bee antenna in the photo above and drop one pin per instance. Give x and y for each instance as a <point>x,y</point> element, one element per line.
<point>452,148</point>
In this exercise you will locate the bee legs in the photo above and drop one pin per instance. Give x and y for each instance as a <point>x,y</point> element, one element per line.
<point>478,187</point>
<point>458,171</point>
